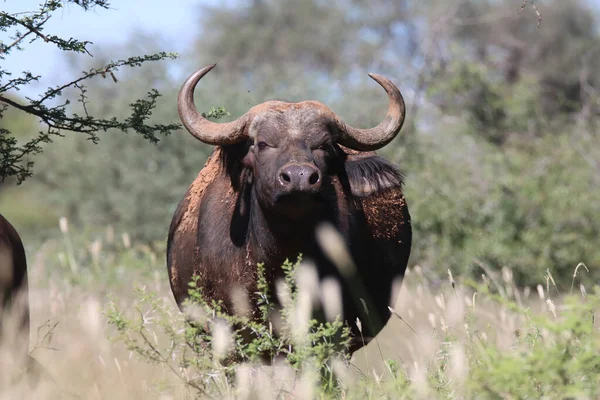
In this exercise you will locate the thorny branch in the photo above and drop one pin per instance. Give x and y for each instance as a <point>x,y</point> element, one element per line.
<point>14,157</point>
<point>20,38</point>
<point>539,16</point>
<point>156,356</point>
<point>30,28</point>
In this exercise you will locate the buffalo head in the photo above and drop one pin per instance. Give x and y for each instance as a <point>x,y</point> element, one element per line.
<point>291,147</point>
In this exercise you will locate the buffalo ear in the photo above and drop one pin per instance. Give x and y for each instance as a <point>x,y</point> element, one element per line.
<point>371,175</point>
<point>248,160</point>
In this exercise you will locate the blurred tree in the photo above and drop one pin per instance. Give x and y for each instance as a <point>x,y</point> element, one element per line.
<point>54,114</point>
<point>492,177</point>
<point>295,50</point>
<point>125,181</point>
<point>532,205</point>
<point>556,61</point>
<point>17,202</point>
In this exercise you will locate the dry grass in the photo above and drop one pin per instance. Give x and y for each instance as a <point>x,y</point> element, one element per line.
<point>431,328</point>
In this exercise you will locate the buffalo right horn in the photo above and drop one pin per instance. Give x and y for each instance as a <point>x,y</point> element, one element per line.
<point>218,134</point>
<point>375,138</point>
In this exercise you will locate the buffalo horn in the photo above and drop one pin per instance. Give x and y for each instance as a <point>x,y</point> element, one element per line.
<point>218,134</point>
<point>375,138</point>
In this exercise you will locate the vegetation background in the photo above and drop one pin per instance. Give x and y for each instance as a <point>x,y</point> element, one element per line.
<point>500,150</point>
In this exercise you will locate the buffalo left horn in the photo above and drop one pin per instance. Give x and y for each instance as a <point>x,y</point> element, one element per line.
<point>218,134</point>
<point>375,138</point>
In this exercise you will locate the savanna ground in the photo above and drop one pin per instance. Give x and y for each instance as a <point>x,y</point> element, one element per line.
<point>455,339</point>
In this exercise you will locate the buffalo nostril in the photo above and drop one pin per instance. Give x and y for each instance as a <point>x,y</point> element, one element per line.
<point>314,178</point>
<point>285,177</point>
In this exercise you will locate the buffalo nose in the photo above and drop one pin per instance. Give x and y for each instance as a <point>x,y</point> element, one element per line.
<point>300,177</point>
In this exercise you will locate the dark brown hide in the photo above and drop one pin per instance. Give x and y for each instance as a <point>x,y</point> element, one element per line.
<point>223,256</point>
<point>14,306</point>
<point>261,199</point>
<point>13,279</point>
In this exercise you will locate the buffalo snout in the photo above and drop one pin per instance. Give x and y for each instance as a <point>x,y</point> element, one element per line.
<point>300,177</point>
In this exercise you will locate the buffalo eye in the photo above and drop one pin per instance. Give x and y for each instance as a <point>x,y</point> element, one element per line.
<point>262,145</point>
<point>325,146</point>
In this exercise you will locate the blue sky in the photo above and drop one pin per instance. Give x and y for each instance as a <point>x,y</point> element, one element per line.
<point>102,27</point>
<point>174,21</point>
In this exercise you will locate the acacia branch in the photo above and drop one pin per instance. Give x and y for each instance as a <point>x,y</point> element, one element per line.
<point>67,45</point>
<point>54,92</point>
<point>16,82</point>
<point>27,109</point>
<point>30,28</point>
<point>59,118</point>
<point>49,120</point>
<point>539,15</point>
<point>15,43</point>
<point>108,69</point>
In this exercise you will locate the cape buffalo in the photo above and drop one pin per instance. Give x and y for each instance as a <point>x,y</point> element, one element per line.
<point>13,282</point>
<point>276,173</point>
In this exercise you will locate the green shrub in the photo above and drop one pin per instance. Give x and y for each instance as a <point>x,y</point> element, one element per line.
<point>211,343</point>
<point>553,352</point>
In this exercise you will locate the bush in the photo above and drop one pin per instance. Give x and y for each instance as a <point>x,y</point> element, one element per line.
<point>532,205</point>
<point>489,340</point>
<point>210,343</point>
